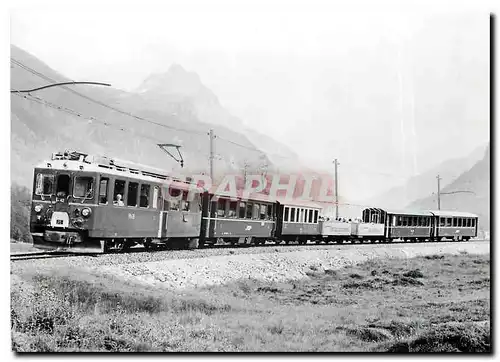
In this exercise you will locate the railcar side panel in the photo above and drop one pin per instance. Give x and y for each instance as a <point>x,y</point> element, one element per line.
<point>409,232</point>
<point>452,231</point>
<point>180,224</point>
<point>366,230</point>
<point>335,228</point>
<point>297,228</point>
<point>124,222</point>
<point>232,228</point>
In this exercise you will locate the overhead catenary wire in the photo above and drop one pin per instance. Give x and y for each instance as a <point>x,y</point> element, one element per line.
<point>139,118</point>
<point>142,119</point>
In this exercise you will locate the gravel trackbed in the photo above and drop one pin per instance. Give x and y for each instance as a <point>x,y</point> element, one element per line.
<point>273,266</point>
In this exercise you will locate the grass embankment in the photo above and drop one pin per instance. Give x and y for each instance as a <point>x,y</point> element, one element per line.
<point>434,303</point>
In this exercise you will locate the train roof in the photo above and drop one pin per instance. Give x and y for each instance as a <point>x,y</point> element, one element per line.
<point>452,213</point>
<point>409,212</point>
<point>77,161</point>
<point>299,202</point>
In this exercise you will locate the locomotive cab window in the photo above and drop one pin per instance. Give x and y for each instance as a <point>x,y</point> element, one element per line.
<point>133,188</point>
<point>83,186</point>
<point>44,184</point>
<point>118,193</point>
<point>103,190</point>
<point>62,187</point>
<point>144,198</point>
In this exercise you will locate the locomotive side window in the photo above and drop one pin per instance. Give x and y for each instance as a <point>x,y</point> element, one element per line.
<point>311,215</point>
<point>103,190</point>
<point>221,207</point>
<point>297,214</point>
<point>249,211</point>
<point>448,221</point>
<point>442,221</point>
<point>469,222</point>
<point>185,203</point>
<point>256,210</point>
<point>292,214</point>
<point>144,198</point>
<point>263,212</point>
<point>316,214</point>
<point>133,188</point>
<point>44,184</point>
<point>270,212</point>
<point>242,210</point>
<point>286,214</point>
<point>232,208</point>
<point>174,202</point>
<point>454,221</point>
<point>83,186</point>
<point>118,193</point>
<point>155,197</point>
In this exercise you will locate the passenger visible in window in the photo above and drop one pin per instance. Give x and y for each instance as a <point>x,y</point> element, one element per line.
<point>118,201</point>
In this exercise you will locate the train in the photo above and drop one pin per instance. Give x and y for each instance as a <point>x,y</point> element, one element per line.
<point>94,204</point>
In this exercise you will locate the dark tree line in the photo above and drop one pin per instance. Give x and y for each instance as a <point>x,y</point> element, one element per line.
<point>20,197</point>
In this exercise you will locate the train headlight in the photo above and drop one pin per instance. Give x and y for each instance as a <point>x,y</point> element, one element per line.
<point>38,208</point>
<point>86,212</point>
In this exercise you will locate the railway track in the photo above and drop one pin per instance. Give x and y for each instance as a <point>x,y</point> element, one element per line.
<point>134,250</point>
<point>42,255</point>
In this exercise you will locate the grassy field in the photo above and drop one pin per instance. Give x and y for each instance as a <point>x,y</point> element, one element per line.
<point>433,303</point>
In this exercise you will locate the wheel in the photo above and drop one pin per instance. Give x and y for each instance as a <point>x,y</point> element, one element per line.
<point>193,243</point>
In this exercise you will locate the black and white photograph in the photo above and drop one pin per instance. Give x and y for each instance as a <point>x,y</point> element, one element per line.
<point>250,176</point>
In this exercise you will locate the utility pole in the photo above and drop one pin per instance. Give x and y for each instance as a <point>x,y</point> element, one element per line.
<point>439,192</point>
<point>212,152</point>
<point>336,189</point>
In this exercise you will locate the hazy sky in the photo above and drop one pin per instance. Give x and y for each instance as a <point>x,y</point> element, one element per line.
<point>389,93</point>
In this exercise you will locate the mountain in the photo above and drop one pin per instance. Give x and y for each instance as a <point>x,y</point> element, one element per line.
<point>112,122</point>
<point>424,184</point>
<point>178,90</point>
<point>477,180</point>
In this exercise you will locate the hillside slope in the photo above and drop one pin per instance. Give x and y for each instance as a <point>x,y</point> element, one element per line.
<point>422,185</point>
<point>477,180</point>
